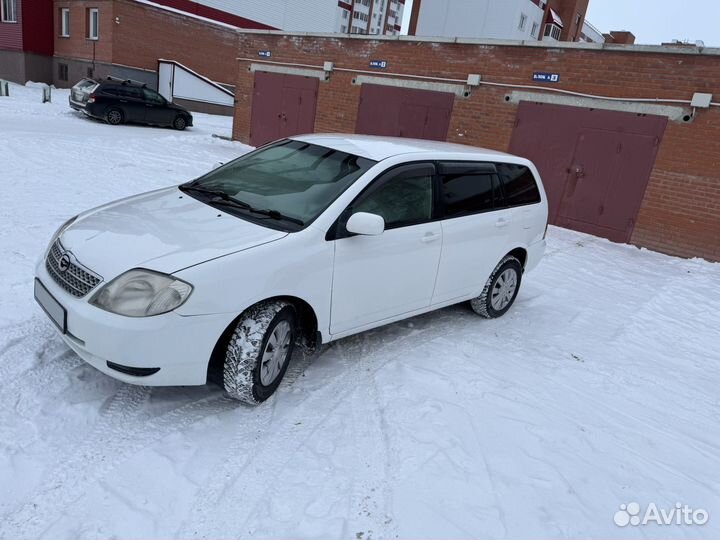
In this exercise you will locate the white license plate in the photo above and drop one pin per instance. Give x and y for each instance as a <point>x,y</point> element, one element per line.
<point>52,307</point>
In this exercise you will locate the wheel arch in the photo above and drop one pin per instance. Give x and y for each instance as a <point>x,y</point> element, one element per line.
<point>113,107</point>
<point>307,321</point>
<point>521,254</point>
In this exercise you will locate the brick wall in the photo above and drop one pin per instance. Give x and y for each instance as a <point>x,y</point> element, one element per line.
<point>202,46</point>
<point>681,210</point>
<point>77,45</point>
<point>137,35</point>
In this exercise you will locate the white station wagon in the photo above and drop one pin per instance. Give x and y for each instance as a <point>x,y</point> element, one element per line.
<point>301,242</point>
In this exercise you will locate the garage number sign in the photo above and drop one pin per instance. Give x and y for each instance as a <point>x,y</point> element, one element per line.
<point>378,64</point>
<point>265,54</point>
<point>546,77</point>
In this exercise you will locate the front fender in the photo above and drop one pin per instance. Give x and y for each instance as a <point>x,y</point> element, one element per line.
<point>299,265</point>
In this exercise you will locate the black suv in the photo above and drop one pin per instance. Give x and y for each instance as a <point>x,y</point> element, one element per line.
<point>117,101</point>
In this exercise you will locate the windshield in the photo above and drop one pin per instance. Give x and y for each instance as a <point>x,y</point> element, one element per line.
<point>288,179</point>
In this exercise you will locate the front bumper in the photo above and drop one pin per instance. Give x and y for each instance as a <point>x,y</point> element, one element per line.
<point>178,347</point>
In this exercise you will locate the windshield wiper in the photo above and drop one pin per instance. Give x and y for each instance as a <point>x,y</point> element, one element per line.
<point>208,191</point>
<point>272,214</point>
<point>223,198</point>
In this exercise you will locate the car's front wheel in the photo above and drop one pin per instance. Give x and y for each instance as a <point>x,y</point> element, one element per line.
<point>501,289</point>
<point>259,351</point>
<point>180,123</point>
<point>114,117</point>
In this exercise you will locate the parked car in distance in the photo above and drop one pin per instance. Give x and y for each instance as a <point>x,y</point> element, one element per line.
<point>301,242</point>
<point>118,101</point>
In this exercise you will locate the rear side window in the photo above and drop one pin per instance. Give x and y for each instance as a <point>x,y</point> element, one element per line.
<point>127,91</point>
<point>519,184</point>
<point>468,188</point>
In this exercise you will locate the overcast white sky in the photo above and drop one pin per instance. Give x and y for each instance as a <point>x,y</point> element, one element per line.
<point>652,21</point>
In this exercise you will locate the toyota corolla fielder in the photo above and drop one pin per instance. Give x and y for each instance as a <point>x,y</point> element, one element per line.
<point>301,242</point>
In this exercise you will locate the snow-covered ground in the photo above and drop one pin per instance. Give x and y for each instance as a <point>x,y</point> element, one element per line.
<point>599,388</point>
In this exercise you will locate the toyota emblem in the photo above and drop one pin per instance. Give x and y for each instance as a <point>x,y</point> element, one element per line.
<point>64,263</point>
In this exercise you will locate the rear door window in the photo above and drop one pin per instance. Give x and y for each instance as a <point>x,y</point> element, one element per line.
<point>129,92</point>
<point>468,188</point>
<point>519,185</point>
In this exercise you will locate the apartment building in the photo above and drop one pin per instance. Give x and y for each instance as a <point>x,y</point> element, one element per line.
<point>344,16</point>
<point>372,16</point>
<point>548,20</point>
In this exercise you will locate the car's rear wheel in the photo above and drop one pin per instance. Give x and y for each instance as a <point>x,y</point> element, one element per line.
<point>114,117</point>
<point>501,289</point>
<point>259,351</point>
<point>180,123</point>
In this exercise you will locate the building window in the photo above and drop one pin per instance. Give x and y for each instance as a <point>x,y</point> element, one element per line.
<point>92,23</point>
<point>63,72</point>
<point>523,21</point>
<point>534,31</point>
<point>9,10</point>
<point>64,22</point>
<point>552,31</point>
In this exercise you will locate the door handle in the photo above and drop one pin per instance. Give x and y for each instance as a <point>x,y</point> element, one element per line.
<point>123,101</point>
<point>502,222</point>
<point>430,237</point>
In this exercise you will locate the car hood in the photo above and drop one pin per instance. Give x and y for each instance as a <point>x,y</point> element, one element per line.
<point>178,108</point>
<point>165,230</point>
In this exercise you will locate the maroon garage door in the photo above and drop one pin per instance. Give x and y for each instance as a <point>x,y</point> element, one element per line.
<point>595,164</point>
<point>403,112</point>
<point>283,105</point>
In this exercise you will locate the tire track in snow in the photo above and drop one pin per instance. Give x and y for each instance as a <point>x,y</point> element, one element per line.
<point>23,339</point>
<point>121,432</point>
<point>243,476</point>
<point>371,504</point>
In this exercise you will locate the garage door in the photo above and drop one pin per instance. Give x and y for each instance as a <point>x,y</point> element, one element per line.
<point>283,105</point>
<point>595,164</point>
<point>404,112</point>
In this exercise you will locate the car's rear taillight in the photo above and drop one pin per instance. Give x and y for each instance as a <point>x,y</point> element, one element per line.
<point>91,98</point>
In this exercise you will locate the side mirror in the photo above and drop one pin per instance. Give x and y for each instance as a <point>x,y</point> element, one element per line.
<point>365,224</point>
<point>217,165</point>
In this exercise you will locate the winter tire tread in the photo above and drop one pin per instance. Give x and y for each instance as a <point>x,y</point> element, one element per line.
<point>481,305</point>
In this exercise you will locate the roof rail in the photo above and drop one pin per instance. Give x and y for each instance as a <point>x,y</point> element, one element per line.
<point>125,81</point>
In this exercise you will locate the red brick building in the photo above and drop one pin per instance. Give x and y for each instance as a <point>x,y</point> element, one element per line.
<point>131,36</point>
<point>629,168</point>
<point>63,41</point>
<point>26,39</point>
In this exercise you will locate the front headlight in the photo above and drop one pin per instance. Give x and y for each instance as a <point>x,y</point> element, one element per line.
<point>142,293</point>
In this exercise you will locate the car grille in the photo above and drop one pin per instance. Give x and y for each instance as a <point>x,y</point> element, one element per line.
<point>77,280</point>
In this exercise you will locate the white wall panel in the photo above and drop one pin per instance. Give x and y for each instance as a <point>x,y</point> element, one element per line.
<point>291,15</point>
<point>477,18</point>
